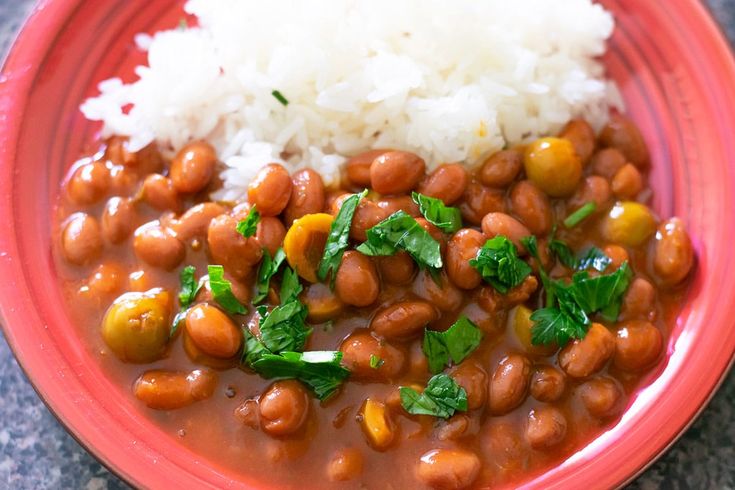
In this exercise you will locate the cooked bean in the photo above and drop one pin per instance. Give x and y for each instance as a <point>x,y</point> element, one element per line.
<point>307,195</point>
<point>639,300</point>
<point>404,203</point>
<point>628,223</point>
<point>346,464</point>
<point>502,446</point>
<point>367,214</point>
<point>357,282</point>
<point>627,182</point>
<point>439,291</point>
<point>270,233</point>
<point>532,206</point>
<point>89,183</point>
<point>108,278</point>
<point>473,378</point>
<point>229,248</point>
<point>584,357</point>
<point>501,168</point>
<point>81,239</point>
<point>403,319</point>
<point>321,303</point>
<point>673,254</point>
<point>193,166</point>
<point>270,190</point>
<point>169,390</point>
<point>123,181</point>
<point>621,133</point>
<point>118,219</point>
<point>607,162</point>
<point>447,182</point>
<point>509,384</point>
<point>553,165</point>
<point>582,136</point>
<point>358,167</point>
<point>396,172</point>
<point>418,364</point>
<point>397,269</point>
<point>602,397</point>
<point>213,332</point>
<point>495,224</point>
<point>194,223</point>
<point>158,246</point>
<point>452,429</point>
<point>593,189</point>
<point>546,427</point>
<point>284,408</point>
<point>617,255</point>
<point>479,200</point>
<point>448,469</point>
<point>360,346</point>
<point>117,151</point>
<point>547,384</point>
<point>638,345</point>
<point>159,193</point>
<point>462,247</point>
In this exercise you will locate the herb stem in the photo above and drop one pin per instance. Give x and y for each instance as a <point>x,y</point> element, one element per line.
<point>279,97</point>
<point>580,215</point>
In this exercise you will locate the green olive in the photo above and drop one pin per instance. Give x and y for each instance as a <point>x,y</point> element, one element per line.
<point>629,223</point>
<point>136,325</point>
<point>520,319</point>
<point>553,165</point>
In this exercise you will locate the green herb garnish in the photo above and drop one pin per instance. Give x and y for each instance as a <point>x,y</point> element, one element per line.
<point>580,215</point>
<point>290,286</point>
<point>284,328</point>
<point>498,264</point>
<point>180,316</point>
<point>400,231</point>
<point>375,361</point>
<point>441,398</point>
<point>454,344</point>
<point>594,258</point>
<point>338,240</point>
<point>249,225</point>
<point>279,97</point>
<point>267,269</point>
<point>447,219</point>
<point>222,290</point>
<point>189,286</point>
<point>320,370</point>
<point>563,253</point>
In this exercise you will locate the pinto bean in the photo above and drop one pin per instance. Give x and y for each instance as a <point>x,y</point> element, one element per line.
<point>270,233</point>
<point>168,390</point>
<point>367,214</point>
<point>403,319</point>
<point>357,349</point>
<point>547,384</point>
<point>447,182</point>
<point>607,162</point>
<point>479,200</point>
<point>345,465</point>
<point>159,193</point>
<point>284,408</point>
<point>501,168</point>
<point>81,239</point>
<point>89,183</point>
<point>582,136</point>
<point>617,255</point>
<point>502,445</point>
<point>213,332</point>
<point>118,219</point>
<point>673,254</point>
<point>440,292</point>
<point>396,172</point>
<point>462,247</point>
<point>158,246</point>
<point>397,269</point>
<point>584,357</point>
<point>194,223</point>
<point>639,300</point>
<point>448,469</point>
<point>532,206</point>
<point>193,166</point>
<point>621,133</point>
<point>627,182</point>
<point>229,248</point>
<point>494,224</point>
<point>357,282</point>
<point>593,189</point>
<point>509,383</point>
<point>452,429</point>
<point>307,195</point>
<point>602,397</point>
<point>270,190</point>
<point>546,427</point>
<point>358,167</point>
<point>473,378</point>
<point>638,345</point>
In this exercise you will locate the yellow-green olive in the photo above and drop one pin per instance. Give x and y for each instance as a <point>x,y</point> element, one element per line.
<point>553,165</point>
<point>136,325</point>
<point>629,223</point>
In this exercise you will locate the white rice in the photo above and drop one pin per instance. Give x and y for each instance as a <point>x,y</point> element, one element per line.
<point>451,81</point>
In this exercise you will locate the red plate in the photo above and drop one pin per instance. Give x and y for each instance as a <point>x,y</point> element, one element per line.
<point>678,79</point>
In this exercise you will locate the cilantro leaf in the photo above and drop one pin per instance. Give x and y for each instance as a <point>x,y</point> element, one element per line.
<point>290,286</point>
<point>249,225</point>
<point>267,269</point>
<point>222,290</point>
<point>180,316</point>
<point>320,370</point>
<point>593,258</point>
<point>400,231</point>
<point>446,218</point>
<point>189,286</point>
<point>454,344</point>
<point>338,240</point>
<point>284,327</point>
<point>563,253</point>
<point>552,325</point>
<point>498,264</point>
<point>441,398</point>
<point>375,361</point>
<point>602,293</point>
<point>253,350</point>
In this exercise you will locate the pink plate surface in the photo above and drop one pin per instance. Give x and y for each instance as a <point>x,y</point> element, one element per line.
<point>678,79</point>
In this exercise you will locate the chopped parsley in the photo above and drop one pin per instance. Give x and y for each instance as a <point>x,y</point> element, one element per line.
<point>375,361</point>
<point>222,290</point>
<point>284,328</point>
<point>563,253</point>
<point>580,215</point>
<point>249,225</point>
<point>267,269</point>
<point>187,293</point>
<point>338,239</point>
<point>594,258</point>
<point>290,286</point>
<point>498,264</point>
<point>400,231</point>
<point>441,398</point>
<point>454,344</point>
<point>280,98</point>
<point>447,219</point>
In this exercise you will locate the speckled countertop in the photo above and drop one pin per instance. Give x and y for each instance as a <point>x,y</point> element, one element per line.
<point>37,452</point>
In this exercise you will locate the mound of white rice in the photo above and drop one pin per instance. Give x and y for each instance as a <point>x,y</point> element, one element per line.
<point>449,80</point>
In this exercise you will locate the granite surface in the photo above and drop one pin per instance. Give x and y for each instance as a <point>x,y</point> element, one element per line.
<point>36,452</point>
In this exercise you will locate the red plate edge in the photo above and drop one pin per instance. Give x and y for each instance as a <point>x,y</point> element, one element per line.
<point>37,35</point>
